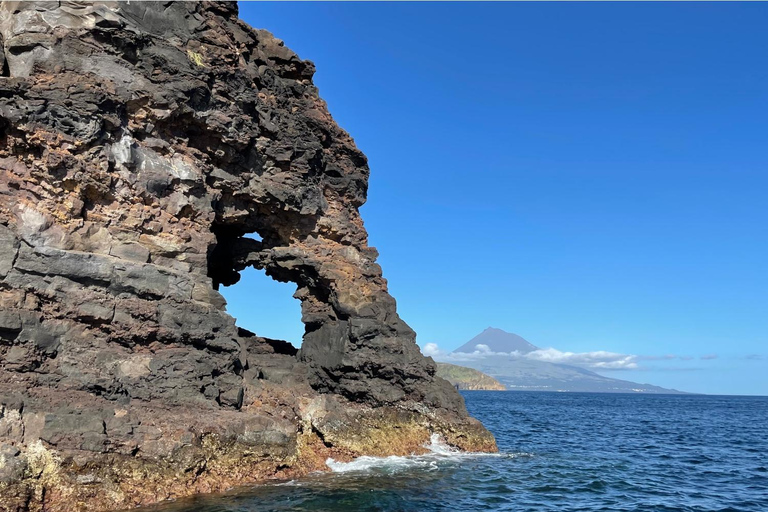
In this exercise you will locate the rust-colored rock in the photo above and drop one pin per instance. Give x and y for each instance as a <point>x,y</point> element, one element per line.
<point>139,144</point>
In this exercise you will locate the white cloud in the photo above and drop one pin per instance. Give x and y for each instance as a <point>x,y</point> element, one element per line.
<point>432,350</point>
<point>597,360</point>
<point>600,360</point>
<point>481,352</point>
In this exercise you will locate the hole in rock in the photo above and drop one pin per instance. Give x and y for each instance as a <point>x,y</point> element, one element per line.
<point>264,306</point>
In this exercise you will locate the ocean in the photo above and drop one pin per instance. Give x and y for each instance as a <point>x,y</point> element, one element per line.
<point>558,452</point>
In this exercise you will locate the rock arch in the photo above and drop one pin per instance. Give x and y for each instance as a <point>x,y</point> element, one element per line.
<point>140,143</point>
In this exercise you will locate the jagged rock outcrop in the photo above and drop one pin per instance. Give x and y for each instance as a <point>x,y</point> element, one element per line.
<point>139,144</point>
<point>468,379</point>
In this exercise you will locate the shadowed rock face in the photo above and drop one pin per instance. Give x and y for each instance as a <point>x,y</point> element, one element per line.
<point>139,143</point>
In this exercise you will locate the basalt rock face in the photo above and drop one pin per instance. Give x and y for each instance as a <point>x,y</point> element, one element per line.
<point>139,144</point>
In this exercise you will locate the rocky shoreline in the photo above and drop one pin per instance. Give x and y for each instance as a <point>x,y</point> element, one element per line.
<point>139,144</point>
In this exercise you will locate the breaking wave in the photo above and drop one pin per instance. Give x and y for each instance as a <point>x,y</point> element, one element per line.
<point>439,454</point>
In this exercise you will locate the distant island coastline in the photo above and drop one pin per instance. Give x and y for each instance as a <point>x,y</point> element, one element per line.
<point>501,355</point>
<point>468,379</point>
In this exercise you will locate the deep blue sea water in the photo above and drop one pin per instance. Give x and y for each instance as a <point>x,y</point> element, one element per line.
<point>559,452</point>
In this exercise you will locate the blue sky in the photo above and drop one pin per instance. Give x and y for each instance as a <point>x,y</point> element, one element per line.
<point>591,176</point>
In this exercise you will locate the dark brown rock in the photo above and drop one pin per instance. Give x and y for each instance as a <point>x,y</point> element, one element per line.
<point>139,144</point>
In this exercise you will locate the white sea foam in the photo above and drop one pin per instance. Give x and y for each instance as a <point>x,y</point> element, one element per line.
<point>438,452</point>
<point>366,463</point>
<point>289,483</point>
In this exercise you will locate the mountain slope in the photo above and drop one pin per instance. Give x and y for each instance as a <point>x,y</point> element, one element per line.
<point>507,363</point>
<point>525,374</point>
<point>498,341</point>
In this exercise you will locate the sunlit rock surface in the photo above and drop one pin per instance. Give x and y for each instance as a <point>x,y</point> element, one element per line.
<point>139,142</point>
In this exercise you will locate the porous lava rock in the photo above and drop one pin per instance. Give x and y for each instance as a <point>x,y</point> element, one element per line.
<point>140,145</point>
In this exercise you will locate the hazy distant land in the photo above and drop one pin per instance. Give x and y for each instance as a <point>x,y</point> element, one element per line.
<point>501,355</point>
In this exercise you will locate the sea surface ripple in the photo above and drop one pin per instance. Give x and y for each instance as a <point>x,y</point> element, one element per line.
<point>558,451</point>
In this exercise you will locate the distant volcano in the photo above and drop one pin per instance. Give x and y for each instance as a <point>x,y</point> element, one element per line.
<point>498,341</point>
<point>506,357</point>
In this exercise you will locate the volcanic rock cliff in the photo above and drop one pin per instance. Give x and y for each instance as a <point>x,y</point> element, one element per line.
<point>139,144</point>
